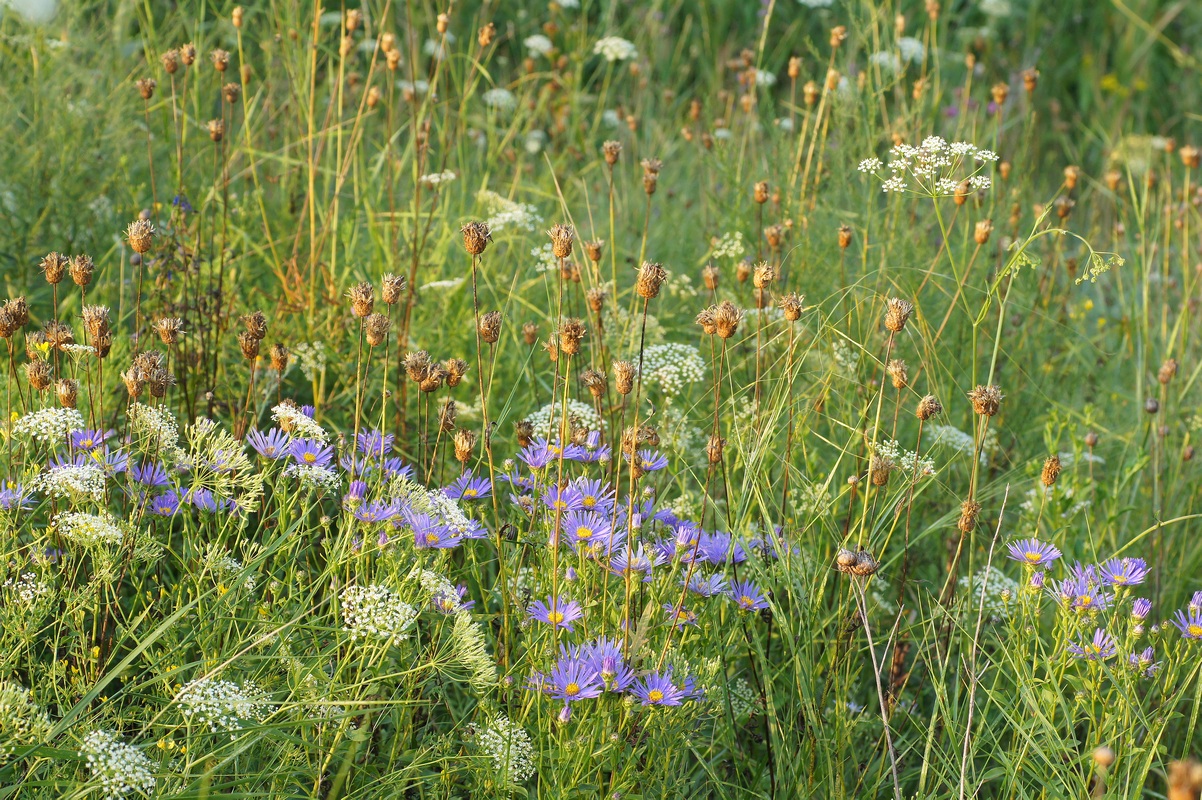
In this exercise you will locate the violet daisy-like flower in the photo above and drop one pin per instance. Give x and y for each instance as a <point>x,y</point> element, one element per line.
<point>658,690</point>
<point>1140,609</point>
<point>539,454</point>
<point>564,499</point>
<point>374,444</point>
<point>584,528</point>
<point>1144,663</point>
<point>152,474</point>
<point>706,585</point>
<point>605,656</point>
<point>720,547</point>
<point>635,564</point>
<point>573,679</point>
<point>430,532</point>
<point>468,487</point>
<point>556,611</point>
<point>1195,603</point>
<point>1124,571</point>
<point>395,467</point>
<point>1190,624</point>
<point>377,511</point>
<point>311,452</point>
<point>1089,597</point>
<point>14,496</point>
<point>272,445</point>
<point>87,439</point>
<point>594,495</point>
<point>747,596</point>
<point>651,461</point>
<point>1100,648</point>
<point>355,491</point>
<point>1037,580</point>
<point>165,504</point>
<point>679,617</point>
<point>1033,553</point>
<point>593,450</point>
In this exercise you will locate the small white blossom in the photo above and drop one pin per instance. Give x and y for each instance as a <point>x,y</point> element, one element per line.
<point>376,612</point>
<point>764,78</point>
<point>615,48</point>
<point>509,747</point>
<point>500,99</point>
<point>27,589</point>
<point>299,425</point>
<point>222,705</point>
<point>118,768</point>
<point>49,425</point>
<point>312,358</point>
<point>585,413</point>
<point>538,44</point>
<point>313,477</point>
<point>90,530</point>
<point>22,723</point>
<point>729,246</point>
<point>506,213</point>
<point>74,482</point>
<point>870,165</point>
<point>438,178</point>
<point>673,366</point>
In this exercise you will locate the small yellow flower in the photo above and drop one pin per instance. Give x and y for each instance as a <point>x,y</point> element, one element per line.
<point>96,651</point>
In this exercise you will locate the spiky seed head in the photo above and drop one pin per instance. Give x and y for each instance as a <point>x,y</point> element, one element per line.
<point>95,319</point>
<point>1051,471</point>
<point>551,347</point>
<point>530,333</point>
<point>231,92</point>
<point>465,442</point>
<point>596,299</point>
<point>969,511</point>
<point>456,368</point>
<point>255,324</point>
<point>845,560</point>
<point>158,380</point>
<point>899,375</point>
<point>435,375</point>
<point>743,270</point>
<point>595,381</point>
<point>1151,405</point>
<point>486,35</point>
<point>593,250</point>
<point>140,235</point>
<point>220,59</point>
<point>375,328</point>
<point>8,325</point>
<point>623,377</point>
<point>838,35</point>
<point>986,400</point>
<point>363,299</point>
<point>879,468</point>
<point>562,237</point>
<point>216,129</point>
<point>791,305</point>
<point>169,329</point>
<point>490,326</point>
<point>170,61</point>
<point>611,150</point>
<point>81,269</point>
<point>54,267</point>
<point>102,342</point>
<point>18,310</point>
<point>39,374</point>
<point>982,231</point>
<point>476,237</point>
<point>134,382</point>
<point>1168,370</point>
<point>711,276</point>
<point>571,332</point>
<point>58,334</point>
<point>146,87</point>
<point>416,365</point>
<point>279,355</point>
<point>928,407</point>
<point>249,345</point>
<point>705,318</point>
<point>764,275</point>
<point>651,277</point>
<point>651,166</point>
<point>727,317</point>
<point>392,288</point>
<point>446,415</point>
<point>1030,79</point>
<point>524,431</point>
<point>773,234</point>
<point>67,390</point>
<point>760,192</point>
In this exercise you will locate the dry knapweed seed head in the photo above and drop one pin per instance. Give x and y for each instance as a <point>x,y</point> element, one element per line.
<point>392,288</point>
<point>1168,370</point>
<point>611,150</point>
<point>810,92</point>
<point>1072,174</point>
<point>393,59</point>
<point>102,343</point>
<point>844,236</point>
<point>416,365</point>
<point>58,334</point>
<point>187,54</point>
<point>982,231</point>
<point>791,305</point>
<point>8,325</point>
<point>81,269</point>
<point>1030,79</point>
<point>1190,156</point>
<point>1000,92</point>
<point>986,400</point>
<point>551,347</point>
<point>231,92</point>
<point>838,35</point>
<point>571,332</point>
<point>354,18</point>
<point>446,415</point>
<point>18,312</point>
<point>279,357</point>
<point>435,375</point>
<point>170,61</point>
<point>530,333</point>
<point>363,299</point>
<point>476,237</point>
<point>595,381</point>
<point>713,448</point>
<point>249,345</point>
<point>1051,471</point>
<point>764,275</point>
<point>651,277</point>
<point>898,374</point>
<point>236,16</point>
<point>146,87</point>
<point>562,237</point>
<point>743,270</point>
<point>760,193</point>
<point>490,326</point>
<point>375,328</point>
<point>67,390</point>
<point>486,35</point>
<point>1184,780</point>
<point>711,276</point>
<point>456,368</point>
<point>595,298</point>
<point>794,70</point>
<point>38,373</point>
<point>897,313</point>
<point>623,377</point>
<point>220,59</point>
<point>773,234</point>
<point>593,250</point>
<point>95,319</point>
<point>969,511</point>
<point>216,129</point>
<point>54,267</point>
<point>524,432</point>
<point>140,235</point>
<point>928,407</point>
<point>651,166</point>
<point>726,319</point>
<point>465,442</point>
<point>879,469</point>
<point>169,329</point>
<point>443,23</point>
<point>705,318</point>
<point>134,382</point>
<point>1064,206</point>
<point>255,324</point>
<point>845,560</point>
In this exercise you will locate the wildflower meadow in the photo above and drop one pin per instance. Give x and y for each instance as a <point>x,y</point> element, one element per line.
<point>600,399</point>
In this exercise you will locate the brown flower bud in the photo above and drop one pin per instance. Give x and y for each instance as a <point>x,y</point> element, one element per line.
<point>81,269</point>
<point>1051,471</point>
<point>986,400</point>
<point>897,313</point>
<point>169,329</point>
<point>490,326</point>
<point>465,442</point>
<point>726,319</point>
<point>476,237</point>
<point>571,332</point>
<point>39,374</point>
<point>530,333</point>
<point>761,192</point>
<point>376,327</point>
<point>651,277</point>
<point>146,87</point>
<point>363,299</point>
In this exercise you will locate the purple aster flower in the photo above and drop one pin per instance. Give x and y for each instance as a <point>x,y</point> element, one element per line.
<point>538,454</point>
<point>1085,573</point>
<point>355,491</point>
<point>748,596</point>
<point>652,461</point>
<point>204,500</point>
<point>395,467</point>
<point>634,564</point>
<point>272,445</point>
<point>153,474</point>
<point>1195,603</point>
<point>468,487</point>
<point>453,601</point>
<point>1037,580</point>
<point>556,611</point>
<point>605,656</point>
<point>658,690</point>
<point>1100,648</point>
<point>565,498</point>
<point>594,449</point>
<point>87,439</point>
<point>311,452</point>
<point>1033,553</point>
<point>594,495</point>
<point>14,497</point>
<point>1090,598</point>
<point>679,617</point>
<point>429,532</point>
<point>1124,571</point>
<point>720,547</point>
<point>377,511</point>
<point>165,504</point>
<point>584,529</point>
<point>308,411</point>
<point>1190,626</point>
<point>1144,663</point>
<point>374,443</point>
<point>706,585</point>
<point>525,502</point>
<point>1141,608</point>
<point>523,483</point>
<point>687,535</point>
<point>573,679</point>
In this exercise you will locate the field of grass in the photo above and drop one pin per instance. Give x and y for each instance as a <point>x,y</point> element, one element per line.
<point>600,399</point>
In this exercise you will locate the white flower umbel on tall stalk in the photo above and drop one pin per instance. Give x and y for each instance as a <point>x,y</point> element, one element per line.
<point>673,366</point>
<point>22,723</point>
<point>935,168</point>
<point>584,413</point>
<point>500,99</point>
<point>155,432</point>
<point>504,212</point>
<point>118,769</point>
<point>90,530</point>
<point>538,44</point>
<point>222,706</point>
<point>297,423</point>
<point>615,48</point>
<point>50,425</point>
<point>376,612</point>
<point>77,483</point>
<point>509,747</point>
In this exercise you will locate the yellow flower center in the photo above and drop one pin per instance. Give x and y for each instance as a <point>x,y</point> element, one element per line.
<point>1033,556</point>
<point>1194,629</point>
<point>431,538</point>
<point>555,617</point>
<point>469,492</point>
<point>583,532</point>
<point>589,501</point>
<point>746,601</point>
<point>572,689</point>
<point>310,458</point>
<point>655,695</point>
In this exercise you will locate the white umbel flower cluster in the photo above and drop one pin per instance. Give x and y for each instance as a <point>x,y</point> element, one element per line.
<point>312,358</point>
<point>509,747</point>
<point>74,482</point>
<point>313,477</point>
<point>615,48</point>
<point>51,425</point>
<point>376,612</point>
<point>22,723</point>
<point>89,530</point>
<point>298,424</point>
<point>538,44</point>
<point>935,168</point>
<point>26,589</point>
<point>673,366</point>
<point>117,768</point>
<point>222,706</point>
<point>505,213</point>
<point>500,99</point>
<point>437,178</point>
<point>584,413</point>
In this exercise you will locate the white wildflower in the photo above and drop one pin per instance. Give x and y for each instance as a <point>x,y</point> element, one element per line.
<point>22,723</point>
<point>995,8</point>
<point>535,141</point>
<point>509,747</point>
<point>610,118</point>
<point>729,246</point>
<point>615,48</point>
<point>585,413</point>
<point>500,99</point>
<point>75,482</point>
<point>998,587</point>
<point>506,213</point>
<point>312,358</point>
<point>298,424</point>
<point>118,768</point>
<point>26,589</point>
<point>438,178</point>
<point>887,60</point>
<point>222,705</point>
<point>90,530</point>
<point>538,44</point>
<point>912,50</point>
<point>376,612</point>
<point>870,165</point>
<point>49,425</point>
<point>764,78</point>
<point>418,87</point>
<point>313,477</point>
<point>672,366</point>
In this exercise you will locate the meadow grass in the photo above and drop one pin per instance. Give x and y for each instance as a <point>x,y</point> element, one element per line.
<point>586,399</point>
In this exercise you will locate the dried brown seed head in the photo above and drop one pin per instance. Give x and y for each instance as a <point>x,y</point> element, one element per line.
<point>216,129</point>
<point>595,381</point>
<point>726,319</point>
<point>595,298</point>
<point>898,374</point>
<point>1030,79</point>
<point>490,326</point>
<point>67,390</point>
<point>465,442</point>
<point>1168,370</point>
<point>249,345</point>
<point>476,237</point>
<point>879,468</point>
<point>982,231</point>
<point>279,355</point>
<point>18,312</point>
<point>743,270</point>
<point>524,431</point>
<point>140,235</point>
<point>562,237</point>
<point>54,267</point>
<point>551,347</point>
<point>81,269</point>
<point>763,275</point>
<point>187,54</point>
<point>170,61</point>
<point>39,374</point>
<point>611,150</point>
<point>446,415</point>
<point>58,334</point>
<point>791,305</point>
<point>486,35</point>
<point>593,250</point>
<point>435,375</point>
<point>711,276</point>
<point>651,277</point>
<point>928,407</point>
<point>705,318</point>
<point>1000,92</point>
<point>623,377</point>
<point>392,287</point>
<point>760,192</point>
<point>169,329</point>
<point>375,328</point>
<point>456,368</point>
<point>255,324</point>
<point>969,511</point>
<point>95,319</point>
<point>1051,471</point>
<point>794,70</point>
<point>231,92</point>
<point>571,332</point>
<point>146,87</point>
<point>363,299</point>
<point>530,333</point>
<point>220,59</point>
<point>416,365</point>
<point>986,400</point>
